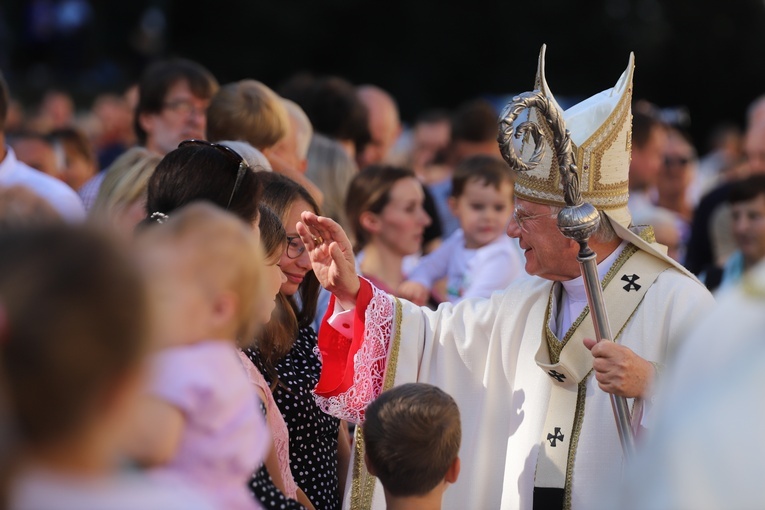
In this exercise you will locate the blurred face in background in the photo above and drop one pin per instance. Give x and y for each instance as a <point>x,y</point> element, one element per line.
<point>183,117</point>
<point>749,228</point>
<point>647,161</point>
<point>754,148</point>
<point>677,170</point>
<point>401,223</point>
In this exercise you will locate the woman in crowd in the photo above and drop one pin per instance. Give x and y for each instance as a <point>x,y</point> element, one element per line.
<point>286,356</point>
<point>385,207</point>
<point>121,201</point>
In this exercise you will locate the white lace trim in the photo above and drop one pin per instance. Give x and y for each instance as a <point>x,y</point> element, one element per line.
<point>369,363</point>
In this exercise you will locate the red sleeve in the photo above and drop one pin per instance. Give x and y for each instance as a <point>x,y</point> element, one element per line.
<point>337,350</point>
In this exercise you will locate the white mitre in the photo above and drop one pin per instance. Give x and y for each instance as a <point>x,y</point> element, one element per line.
<point>601,134</point>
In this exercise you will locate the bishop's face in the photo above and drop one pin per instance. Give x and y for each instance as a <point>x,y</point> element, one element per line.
<point>548,253</point>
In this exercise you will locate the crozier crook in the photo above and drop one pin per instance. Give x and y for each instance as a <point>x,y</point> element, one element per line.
<point>577,221</point>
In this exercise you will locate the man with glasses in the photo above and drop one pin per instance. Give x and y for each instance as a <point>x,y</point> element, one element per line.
<point>534,388</point>
<point>173,96</point>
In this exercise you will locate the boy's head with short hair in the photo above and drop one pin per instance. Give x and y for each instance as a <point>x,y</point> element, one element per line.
<point>482,199</point>
<point>486,170</point>
<point>412,435</point>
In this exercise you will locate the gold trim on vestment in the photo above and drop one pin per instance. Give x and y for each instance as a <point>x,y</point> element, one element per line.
<point>555,345</point>
<point>363,483</point>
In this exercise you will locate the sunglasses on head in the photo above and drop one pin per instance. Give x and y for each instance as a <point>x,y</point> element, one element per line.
<point>230,153</point>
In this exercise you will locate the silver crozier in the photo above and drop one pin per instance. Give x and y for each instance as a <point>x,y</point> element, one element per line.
<point>577,221</point>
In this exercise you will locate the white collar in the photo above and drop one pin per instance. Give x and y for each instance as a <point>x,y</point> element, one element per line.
<point>575,288</point>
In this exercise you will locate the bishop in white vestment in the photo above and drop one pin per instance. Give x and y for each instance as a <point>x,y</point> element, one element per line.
<point>538,427</point>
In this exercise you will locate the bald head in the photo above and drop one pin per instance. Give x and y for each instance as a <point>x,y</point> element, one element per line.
<point>384,124</point>
<point>754,147</point>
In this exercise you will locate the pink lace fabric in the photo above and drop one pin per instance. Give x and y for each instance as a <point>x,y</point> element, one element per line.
<point>369,363</point>
<point>276,426</point>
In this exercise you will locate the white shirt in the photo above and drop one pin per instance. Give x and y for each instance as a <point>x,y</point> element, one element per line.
<point>469,272</point>
<point>63,198</point>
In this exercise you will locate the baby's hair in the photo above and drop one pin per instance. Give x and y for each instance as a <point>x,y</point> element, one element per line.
<point>225,250</point>
<point>273,237</point>
<point>412,435</point>
<point>487,170</point>
<point>74,322</point>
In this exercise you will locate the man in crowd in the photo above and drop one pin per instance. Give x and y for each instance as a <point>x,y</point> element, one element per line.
<point>173,96</point>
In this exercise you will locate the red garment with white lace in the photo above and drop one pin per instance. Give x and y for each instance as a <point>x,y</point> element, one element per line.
<point>353,368</point>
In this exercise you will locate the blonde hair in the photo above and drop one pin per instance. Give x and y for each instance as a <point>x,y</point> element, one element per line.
<point>225,251</point>
<point>126,181</point>
<point>247,110</point>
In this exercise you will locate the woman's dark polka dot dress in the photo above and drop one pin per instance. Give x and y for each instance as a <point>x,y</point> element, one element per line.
<point>313,434</point>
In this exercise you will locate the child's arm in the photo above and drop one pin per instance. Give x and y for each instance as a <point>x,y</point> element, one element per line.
<point>156,432</point>
<point>415,292</point>
<point>494,268</point>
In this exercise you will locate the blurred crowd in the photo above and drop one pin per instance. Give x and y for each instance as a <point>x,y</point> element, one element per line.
<point>114,187</point>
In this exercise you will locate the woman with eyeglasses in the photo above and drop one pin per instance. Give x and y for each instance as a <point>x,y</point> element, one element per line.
<point>286,356</point>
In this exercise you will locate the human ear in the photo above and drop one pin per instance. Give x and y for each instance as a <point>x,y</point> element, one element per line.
<point>453,472</point>
<point>370,222</point>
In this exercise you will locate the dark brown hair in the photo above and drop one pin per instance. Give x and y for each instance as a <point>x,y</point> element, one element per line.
<point>485,169</point>
<point>412,435</point>
<point>160,77</point>
<point>273,237</point>
<point>201,172</point>
<point>747,189</point>
<point>279,334</point>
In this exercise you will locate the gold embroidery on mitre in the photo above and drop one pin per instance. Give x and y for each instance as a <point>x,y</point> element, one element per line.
<point>603,143</point>
<point>602,159</point>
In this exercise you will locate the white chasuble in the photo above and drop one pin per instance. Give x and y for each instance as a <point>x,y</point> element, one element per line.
<point>482,352</point>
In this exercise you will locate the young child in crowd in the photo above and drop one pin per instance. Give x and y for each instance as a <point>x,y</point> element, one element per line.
<point>478,258</point>
<point>73,324</point>
<point>202,423</point>
<point>412,435</point>
<point>273,239</point>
